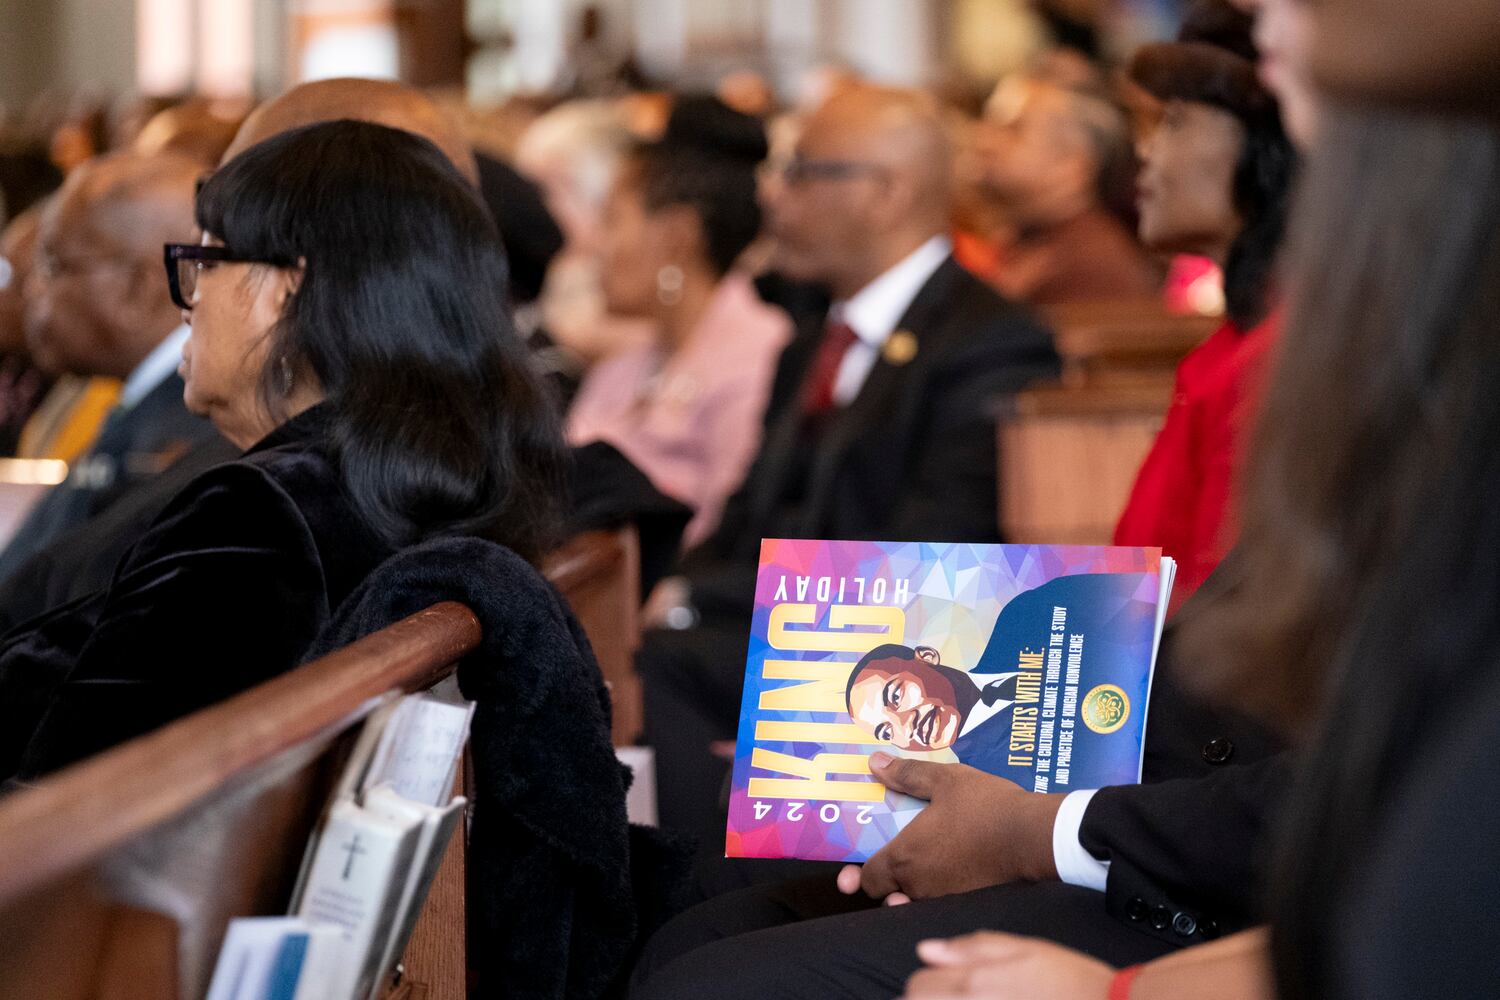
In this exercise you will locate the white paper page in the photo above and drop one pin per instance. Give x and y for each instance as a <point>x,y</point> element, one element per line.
<point>437,827</point>
<point>419,750</point>
<point>1168,576</point>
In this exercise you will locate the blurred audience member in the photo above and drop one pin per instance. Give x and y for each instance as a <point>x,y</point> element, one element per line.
<point>104,311</point>
<point>27,175</point>
<point>531,236</point>
<point>686,409</point>
<point>22,383</point>
<point>201,129</point>
<point>1048,153</point>
<point>1440,54</point>
<point>880,424</point>
<point>380,102</point>
<point>81,135</point>
<point>70,414</point>
<point>979,227</point>
<point>1283,42</point>
<point>573,152</point>
<point>1216,182</point>
<point>747,92</point>
<point>129,114</point>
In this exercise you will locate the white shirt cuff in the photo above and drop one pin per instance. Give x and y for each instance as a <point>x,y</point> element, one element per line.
<point>1075,865</point>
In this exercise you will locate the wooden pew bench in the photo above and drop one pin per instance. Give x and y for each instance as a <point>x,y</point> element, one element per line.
<point>1103,342</point>
<point>1069,453</point>
<point>1068,457</point>
<point>119,875</point>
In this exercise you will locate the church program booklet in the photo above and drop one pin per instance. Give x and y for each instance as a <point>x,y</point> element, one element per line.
<point>1032,662</point>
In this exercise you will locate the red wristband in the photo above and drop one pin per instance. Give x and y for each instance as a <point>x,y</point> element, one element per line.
<point>1119,987</point>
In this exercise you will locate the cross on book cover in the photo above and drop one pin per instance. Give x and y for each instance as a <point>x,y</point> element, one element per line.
<point>1032,662</point>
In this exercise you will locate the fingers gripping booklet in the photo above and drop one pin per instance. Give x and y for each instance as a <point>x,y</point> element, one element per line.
<point>1031,662</point>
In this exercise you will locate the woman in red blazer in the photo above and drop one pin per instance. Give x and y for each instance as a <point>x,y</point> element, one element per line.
<point>1215,180</point>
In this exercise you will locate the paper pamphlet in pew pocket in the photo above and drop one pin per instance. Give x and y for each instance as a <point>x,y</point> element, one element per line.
<point>277,958</point>
<point>1031,662</point>
<point>374,857</point>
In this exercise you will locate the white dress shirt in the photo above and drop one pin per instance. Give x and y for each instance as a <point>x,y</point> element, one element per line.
<point>873,312</point>
<point>154,368</point>
<point>1075,865</point>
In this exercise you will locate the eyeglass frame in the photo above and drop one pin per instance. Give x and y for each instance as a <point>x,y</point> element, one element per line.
<point>175,253</point>
<point>798,169</point>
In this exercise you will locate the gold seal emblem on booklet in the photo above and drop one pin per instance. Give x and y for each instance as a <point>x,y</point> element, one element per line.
<point>1105,708</point>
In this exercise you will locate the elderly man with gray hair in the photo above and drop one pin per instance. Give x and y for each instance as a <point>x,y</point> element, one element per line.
<point>1054,160</point>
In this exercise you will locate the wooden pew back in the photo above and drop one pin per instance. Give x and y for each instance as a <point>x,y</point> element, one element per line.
<point>600,572</point>
<point>1069,453</point>
<point>1102,342</point>
<point>118,876</point>
<point>1069,457</point>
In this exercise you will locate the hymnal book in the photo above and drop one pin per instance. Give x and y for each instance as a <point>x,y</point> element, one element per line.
<point>356,883</point>
<point>378,849</point>
<point>1031,662</point>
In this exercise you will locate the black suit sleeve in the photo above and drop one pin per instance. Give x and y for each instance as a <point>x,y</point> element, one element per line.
<point>225,590</point>
<point>1185,854</point>
<point>950,493</point>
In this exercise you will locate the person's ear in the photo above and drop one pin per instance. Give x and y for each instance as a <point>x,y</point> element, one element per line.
<point>287,281</point>
<point>681,233</point>
<point>928,654</point>
<point>889,199</point>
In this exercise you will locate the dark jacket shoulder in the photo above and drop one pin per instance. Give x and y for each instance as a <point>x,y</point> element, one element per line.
<point>227,588</point>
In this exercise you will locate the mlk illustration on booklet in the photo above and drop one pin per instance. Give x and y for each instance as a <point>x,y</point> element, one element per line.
<point>1032,662</point>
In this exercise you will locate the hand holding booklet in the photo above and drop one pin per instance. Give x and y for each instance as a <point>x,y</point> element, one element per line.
<point>1031,662</point>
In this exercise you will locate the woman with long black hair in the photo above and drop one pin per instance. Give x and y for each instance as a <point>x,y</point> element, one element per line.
<point>349,330</point>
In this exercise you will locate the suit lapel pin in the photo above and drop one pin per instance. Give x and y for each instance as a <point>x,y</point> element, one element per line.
<point>900,347</point>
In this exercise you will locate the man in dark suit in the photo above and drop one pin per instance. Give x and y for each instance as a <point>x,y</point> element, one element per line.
<point>101,307</point>
<point>1126,873</point>
<point>881,418</point>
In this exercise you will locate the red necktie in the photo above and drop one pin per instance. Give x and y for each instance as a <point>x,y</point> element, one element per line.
<point>817,397</point>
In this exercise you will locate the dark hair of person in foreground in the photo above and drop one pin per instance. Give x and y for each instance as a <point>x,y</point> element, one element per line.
<point>438,424</point>
<point>1366,616</point>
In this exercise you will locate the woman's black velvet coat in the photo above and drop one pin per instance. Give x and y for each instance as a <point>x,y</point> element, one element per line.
<point>229,587</point>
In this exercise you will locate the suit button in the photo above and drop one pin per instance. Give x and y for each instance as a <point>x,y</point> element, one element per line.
<point>1136,909</point>
<point>1218,751</point>
<point>1209,929</point>
<point>1184,925</point>
<point>1161,918</point>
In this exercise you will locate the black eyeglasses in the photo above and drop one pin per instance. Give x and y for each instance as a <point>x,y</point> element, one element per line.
<point>185,261</point>
<point>796,170</point>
